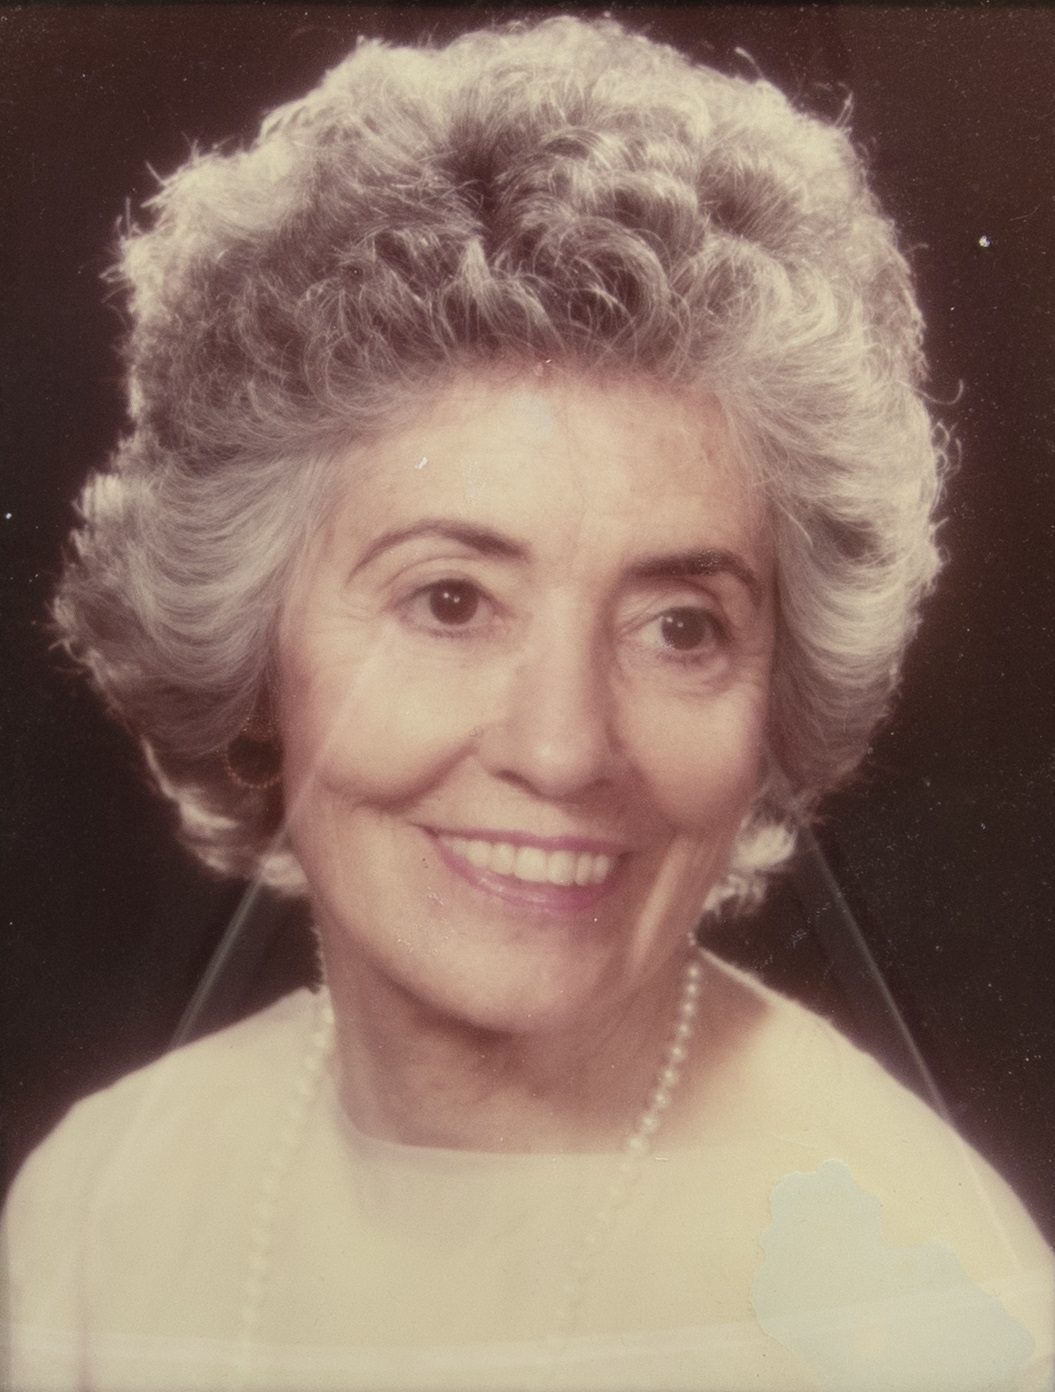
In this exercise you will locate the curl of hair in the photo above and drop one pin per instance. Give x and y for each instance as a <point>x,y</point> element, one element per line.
<point>564,191</point>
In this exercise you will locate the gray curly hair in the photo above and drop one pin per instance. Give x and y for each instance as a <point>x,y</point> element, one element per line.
<point>565,191</point>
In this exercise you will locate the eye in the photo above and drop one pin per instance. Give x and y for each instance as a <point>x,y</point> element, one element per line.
<point>687,629</point>
<point>688,635</point>
<point>448,603</point>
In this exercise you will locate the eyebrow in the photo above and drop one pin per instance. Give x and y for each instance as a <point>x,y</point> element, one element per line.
<point>482,540</point>
<point>684,565</point>
<point>677,565</point>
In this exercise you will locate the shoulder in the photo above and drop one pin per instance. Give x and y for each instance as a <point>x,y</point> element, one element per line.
<point>175,1108</point>
<point>112,1212</point>
<point>834,1101</point>
<point>875,1202</point>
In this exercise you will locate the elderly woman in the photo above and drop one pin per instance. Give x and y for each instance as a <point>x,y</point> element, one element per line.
<point>527,504</point>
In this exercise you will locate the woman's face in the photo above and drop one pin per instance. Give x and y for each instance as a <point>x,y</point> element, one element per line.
<point>523,680</point>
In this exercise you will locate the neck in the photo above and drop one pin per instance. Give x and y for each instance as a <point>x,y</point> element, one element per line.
<point>411,1074</point>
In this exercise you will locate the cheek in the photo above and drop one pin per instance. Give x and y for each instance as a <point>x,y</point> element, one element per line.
<point>703,766</point>
<point>361,726</point>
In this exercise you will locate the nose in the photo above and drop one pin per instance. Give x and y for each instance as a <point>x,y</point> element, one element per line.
<point>554,732</point>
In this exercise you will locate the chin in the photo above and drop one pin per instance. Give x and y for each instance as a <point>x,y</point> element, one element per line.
<point>534,983</point>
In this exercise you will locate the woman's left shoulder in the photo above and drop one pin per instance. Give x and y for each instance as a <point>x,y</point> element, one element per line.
<point>832,1101</point>
<point>876,1205</point>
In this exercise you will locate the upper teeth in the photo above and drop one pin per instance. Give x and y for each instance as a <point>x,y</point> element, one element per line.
<point>532,863</point>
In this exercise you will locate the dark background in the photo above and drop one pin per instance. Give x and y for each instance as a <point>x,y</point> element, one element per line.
<point>944,849</point>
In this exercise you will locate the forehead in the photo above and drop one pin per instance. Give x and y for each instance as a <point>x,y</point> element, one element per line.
<point>560,458</point>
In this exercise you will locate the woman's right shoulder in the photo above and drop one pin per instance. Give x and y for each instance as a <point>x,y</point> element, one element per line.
<point>136,1177</point>
<point>186,1099</point>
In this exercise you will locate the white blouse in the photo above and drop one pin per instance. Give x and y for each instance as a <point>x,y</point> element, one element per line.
<point>835,1236</point>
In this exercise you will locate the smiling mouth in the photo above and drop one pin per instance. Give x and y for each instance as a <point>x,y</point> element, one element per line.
<point>532,864</point>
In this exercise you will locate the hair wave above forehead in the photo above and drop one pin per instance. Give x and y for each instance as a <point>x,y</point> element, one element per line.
<point>562,191</point>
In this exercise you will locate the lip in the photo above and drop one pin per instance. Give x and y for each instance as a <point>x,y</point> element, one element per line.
<point>538,897</point>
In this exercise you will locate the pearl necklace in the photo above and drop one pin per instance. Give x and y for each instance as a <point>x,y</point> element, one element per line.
<point>638,1144</point>
<point>635,1151</point>
<point>262,1232</point>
